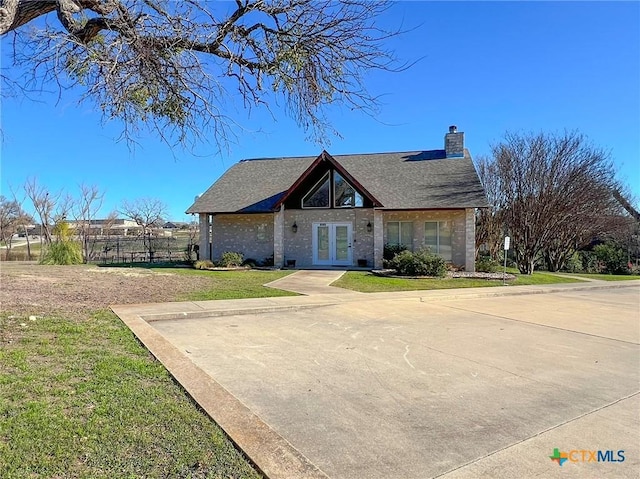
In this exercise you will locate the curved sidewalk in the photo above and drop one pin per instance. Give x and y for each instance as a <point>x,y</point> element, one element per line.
<point>310,282</point>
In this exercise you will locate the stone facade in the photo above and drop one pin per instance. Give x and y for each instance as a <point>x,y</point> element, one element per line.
<point>259,236</point>
<point>378,231</point>
<point>470,239</point>
<point>298,245</point>
<point>278,237</point>
<point>459,236</point>
<point>205,238</point>
<point>251,235</point>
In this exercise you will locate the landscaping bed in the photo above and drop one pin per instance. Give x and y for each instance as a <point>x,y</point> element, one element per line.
<point>391,273</point>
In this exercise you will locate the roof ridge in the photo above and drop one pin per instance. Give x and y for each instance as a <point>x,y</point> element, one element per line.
<point>339,154</point>
<point>387,152</point>
<point>278,158</point>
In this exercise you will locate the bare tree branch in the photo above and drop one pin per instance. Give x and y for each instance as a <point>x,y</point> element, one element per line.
<point>84,212</point>
<point>489,221</point>
<point>44,204</point>
<point>148,213</point>
<point>12,217</point>
<point>171,66</point>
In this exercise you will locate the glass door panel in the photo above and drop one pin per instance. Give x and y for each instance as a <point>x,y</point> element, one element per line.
<point>323,243</point>
<point>342,243</point>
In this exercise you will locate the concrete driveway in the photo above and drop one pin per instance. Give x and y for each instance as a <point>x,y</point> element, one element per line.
<point>416,385</point>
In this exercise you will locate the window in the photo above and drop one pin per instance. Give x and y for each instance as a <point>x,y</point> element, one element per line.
<point>318,197</point>
<point>332,191</point>
<point>400,232</point>
<point>437,237</point>
<point>345,195</point>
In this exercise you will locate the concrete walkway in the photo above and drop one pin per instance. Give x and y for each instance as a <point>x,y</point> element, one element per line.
<point>310,282</point>
<point>449,383</point>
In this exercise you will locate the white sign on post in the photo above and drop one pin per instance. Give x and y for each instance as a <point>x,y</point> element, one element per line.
<point>507,241</point>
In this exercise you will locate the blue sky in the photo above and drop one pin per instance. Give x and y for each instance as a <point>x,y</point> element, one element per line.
<point>486,67</point>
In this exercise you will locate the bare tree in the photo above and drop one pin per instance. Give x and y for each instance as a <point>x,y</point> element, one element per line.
<point>107,232</point>
<point>489,222</point>
<point>148,213</point>
<point>172,66</point>
<point>12,217</point>
<point>109,223</point>
<point>51,208</point>
<point>555,194</point>
<point>84,211</point>
<point>20,199</point>
<point>192,246</point>
<point>44,204</point>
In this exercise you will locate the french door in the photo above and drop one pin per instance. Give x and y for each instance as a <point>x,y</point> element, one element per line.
<point>332,244</point>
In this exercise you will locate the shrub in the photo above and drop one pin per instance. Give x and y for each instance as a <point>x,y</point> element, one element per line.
<point>612,257</point>
<point>250,262</point>
<point>487,265</point>
<point>230,259</point>
<point>589,262</point>
<point>574,263</point>
<point>63,252</point>
<point>391,250</point>
<point>420,263</point>
<point>203,264</point>
<point>189,253</point>
<point>268,261</point>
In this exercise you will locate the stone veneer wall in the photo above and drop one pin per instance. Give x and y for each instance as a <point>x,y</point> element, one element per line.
<point>470,214</point>
<point>239,233</point>
<point>458,238</point>
<point>204,236</point>
<point>299,245</point>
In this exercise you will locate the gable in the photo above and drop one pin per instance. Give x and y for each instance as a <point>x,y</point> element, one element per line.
<point>327,184</point>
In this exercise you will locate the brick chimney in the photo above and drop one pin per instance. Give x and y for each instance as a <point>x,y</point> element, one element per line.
<point>454,143</point>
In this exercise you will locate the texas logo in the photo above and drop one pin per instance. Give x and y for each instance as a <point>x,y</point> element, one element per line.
<point>559,457</point>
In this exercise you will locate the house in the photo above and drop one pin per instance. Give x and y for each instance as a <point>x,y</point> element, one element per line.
<point>175,225</point>
<point>111,226</point>
<point>341,210</point>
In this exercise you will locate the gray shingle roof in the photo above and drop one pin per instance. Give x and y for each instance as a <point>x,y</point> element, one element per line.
<point>401,180</point>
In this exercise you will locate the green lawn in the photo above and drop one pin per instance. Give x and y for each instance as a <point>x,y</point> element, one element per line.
<point>84,399</point>
<point>19,253</point>
<point>368,283</point>
<point>606,277</point>
<point>81,397</point>
<point>233,284</point>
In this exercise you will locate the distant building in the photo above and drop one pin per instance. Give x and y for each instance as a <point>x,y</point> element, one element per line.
<point>117,226</point>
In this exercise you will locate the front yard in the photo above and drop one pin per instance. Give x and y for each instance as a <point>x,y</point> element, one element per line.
<point>81,397</point>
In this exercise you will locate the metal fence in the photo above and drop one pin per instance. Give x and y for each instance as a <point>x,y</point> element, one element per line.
<point>120,249</point>
<point>124,249</point>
